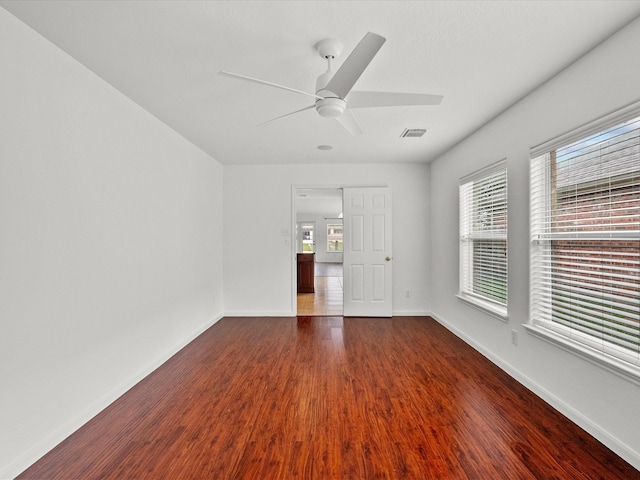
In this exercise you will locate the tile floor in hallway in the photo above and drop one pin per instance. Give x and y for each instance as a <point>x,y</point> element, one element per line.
<point>327,299</point>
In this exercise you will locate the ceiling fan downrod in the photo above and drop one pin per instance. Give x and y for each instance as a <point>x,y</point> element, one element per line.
<point>331,106</point>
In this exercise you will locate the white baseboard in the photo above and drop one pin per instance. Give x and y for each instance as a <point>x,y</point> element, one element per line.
<point>620,448</point>
<point>411,313</point>
<point>31,456</point>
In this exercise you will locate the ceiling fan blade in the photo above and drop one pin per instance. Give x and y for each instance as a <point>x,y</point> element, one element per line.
<point>286,115</point>
<point>256,80</point>
<point>349,72</point>
<point>358,99</point>
<point>349,122</point>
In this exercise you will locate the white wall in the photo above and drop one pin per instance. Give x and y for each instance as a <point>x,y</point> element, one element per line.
<point>601,402</point>
<point>110,245</point>
<point>259,198</point>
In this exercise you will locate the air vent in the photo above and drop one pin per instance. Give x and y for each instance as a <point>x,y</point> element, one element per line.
<point>413,132</point>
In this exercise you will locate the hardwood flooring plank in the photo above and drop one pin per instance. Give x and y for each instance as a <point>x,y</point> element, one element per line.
<point>328,398</point>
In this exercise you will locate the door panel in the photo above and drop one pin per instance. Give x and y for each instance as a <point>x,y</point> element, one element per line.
<point>367,252</point>
<point>357,233</point>
<point>356,292</point>
<point>379,272</point>
<point>378,237</point>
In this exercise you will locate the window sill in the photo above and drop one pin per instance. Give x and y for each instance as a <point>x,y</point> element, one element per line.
<point>487,307</point>
<point>619,367</point>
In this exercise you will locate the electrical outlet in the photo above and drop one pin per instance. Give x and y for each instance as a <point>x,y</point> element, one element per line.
<point>514,337</point>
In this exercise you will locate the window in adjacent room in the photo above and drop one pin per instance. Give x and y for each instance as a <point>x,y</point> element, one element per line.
<point>585,242</point>
<point>483,239</point>
<point>334,237</point>
<point>308,241</point>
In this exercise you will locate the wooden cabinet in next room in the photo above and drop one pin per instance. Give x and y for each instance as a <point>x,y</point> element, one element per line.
<point>306,266</point>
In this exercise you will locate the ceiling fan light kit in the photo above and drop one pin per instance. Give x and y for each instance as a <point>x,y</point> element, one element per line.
<point>330,107</point>
<point>333,89</point>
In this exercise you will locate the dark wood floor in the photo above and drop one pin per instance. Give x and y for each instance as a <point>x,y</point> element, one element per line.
<point>329,398</point>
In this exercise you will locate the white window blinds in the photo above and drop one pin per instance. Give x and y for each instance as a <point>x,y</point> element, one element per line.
<point>585,253</point>
<point>483,237</point>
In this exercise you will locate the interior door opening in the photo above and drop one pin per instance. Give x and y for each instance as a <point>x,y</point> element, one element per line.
<point>319,250</point>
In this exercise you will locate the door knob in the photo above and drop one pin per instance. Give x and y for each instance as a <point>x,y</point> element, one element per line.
<point>388,258</point>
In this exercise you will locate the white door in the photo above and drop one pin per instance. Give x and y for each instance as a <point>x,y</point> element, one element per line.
<point>367,252</point>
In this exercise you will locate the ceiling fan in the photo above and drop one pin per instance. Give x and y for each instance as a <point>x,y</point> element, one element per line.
<point>334,97</point>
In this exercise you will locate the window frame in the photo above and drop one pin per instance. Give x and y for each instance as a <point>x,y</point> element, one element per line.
<point>600,352</point>
<point>466,244</point>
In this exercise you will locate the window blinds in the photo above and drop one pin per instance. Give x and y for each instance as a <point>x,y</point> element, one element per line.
<point>483,235</point>
<point>585,255</point>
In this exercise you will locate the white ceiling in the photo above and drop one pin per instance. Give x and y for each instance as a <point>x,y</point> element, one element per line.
<point>481,55</point>
<point>319,201</point>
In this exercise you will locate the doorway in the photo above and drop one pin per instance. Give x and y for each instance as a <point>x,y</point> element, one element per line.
<point>318,232</point>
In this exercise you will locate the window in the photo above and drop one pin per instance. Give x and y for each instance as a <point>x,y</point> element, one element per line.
<point>483,239</point>
<point>308,241</point>
<point>585,250</point>
<point>334,237</point>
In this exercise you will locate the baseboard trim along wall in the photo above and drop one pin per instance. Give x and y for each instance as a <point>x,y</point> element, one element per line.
<point>48,443</point>
<point>289,313</point>
<point>411,313</point>
<point>620,448</point>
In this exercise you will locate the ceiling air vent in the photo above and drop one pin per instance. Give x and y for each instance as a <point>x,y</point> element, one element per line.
<point>413,132</point>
